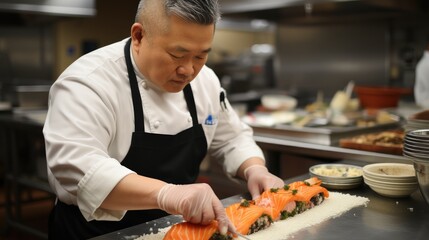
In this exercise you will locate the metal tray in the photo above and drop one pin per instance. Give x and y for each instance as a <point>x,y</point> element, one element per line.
<point>327,135</point>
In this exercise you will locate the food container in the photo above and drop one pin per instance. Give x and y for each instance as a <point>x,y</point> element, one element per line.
<point>378,97</point>
<point>338,176</point>
<point>33,96</point>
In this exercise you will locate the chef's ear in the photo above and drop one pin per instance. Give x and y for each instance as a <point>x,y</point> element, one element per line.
<point>137,32</point>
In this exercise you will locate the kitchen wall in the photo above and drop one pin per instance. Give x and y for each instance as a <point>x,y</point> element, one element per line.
<point>35,48</point>
<point>326,55</point>
<point>113,22</point>
<point>322,45</point>
<point>75,36</point>
<point>26,57</point>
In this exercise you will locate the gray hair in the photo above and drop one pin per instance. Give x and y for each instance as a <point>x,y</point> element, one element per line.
<point>196,11</point>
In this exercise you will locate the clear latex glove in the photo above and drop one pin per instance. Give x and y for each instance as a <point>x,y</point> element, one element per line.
<point>259,179</point>
<point>197,203</point>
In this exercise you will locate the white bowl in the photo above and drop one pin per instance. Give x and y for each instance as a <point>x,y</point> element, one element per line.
<point>391,172</point>
<point>388,184</point>
<point>278,102</point>
<point>390,191</point>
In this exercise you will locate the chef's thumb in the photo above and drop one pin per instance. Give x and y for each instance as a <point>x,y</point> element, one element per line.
<point>224,224</point>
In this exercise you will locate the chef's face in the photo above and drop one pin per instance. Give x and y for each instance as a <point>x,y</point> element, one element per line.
<point>172,58</point>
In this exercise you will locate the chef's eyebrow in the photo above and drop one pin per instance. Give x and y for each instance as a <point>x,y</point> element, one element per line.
<point>182,49</point>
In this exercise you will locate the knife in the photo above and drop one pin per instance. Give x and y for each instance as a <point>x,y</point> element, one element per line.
<point>242,236</point>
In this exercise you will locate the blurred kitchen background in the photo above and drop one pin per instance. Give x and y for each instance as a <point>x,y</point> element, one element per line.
<point>299,48</point>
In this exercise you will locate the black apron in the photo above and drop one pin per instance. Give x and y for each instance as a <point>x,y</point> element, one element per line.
<point>171,158</point>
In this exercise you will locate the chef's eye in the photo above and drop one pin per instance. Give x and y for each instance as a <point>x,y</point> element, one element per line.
<point>175,56</point>
<point>201,57</point>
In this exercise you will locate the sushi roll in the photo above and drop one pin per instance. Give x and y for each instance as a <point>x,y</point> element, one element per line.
<point>247,217</point>
<point>308,194</point>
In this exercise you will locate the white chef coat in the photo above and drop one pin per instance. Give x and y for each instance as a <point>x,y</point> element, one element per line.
<point>421,87</point>
<point>91,119</point>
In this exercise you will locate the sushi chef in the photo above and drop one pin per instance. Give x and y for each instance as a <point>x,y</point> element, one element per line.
<point>129,124</point>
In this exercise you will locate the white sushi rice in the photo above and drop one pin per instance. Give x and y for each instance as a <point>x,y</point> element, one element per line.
<point>334,206</point>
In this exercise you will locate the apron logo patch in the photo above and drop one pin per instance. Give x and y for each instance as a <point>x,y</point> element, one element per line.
<point>210,120</point>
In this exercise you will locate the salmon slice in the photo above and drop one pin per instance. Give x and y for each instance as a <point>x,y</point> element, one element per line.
<point>190,231</point>
<point>276,203</point>
<point>307,197</point>
<point>247,217</point>
<point>308,182</point>
<point>305,193</point>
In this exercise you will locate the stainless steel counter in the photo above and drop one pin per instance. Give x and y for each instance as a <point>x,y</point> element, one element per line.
<point>272,141</point>
<point>277,144</point>
<point>382,218</point>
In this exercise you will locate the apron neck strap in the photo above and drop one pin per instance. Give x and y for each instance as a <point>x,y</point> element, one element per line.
<point>137,102</point>
<point>189,97</point>
<point>135,93</point>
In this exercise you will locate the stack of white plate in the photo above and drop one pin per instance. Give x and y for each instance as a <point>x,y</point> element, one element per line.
<point>417,121</point>
<point>416,144</point>
<point>416,148</point>
<point>391,179</point>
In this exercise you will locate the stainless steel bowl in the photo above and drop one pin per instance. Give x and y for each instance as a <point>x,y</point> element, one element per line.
<point>422,173</point>
<point>415,146</point>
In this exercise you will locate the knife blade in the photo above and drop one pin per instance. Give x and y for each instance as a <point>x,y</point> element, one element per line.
<point>242,236</point>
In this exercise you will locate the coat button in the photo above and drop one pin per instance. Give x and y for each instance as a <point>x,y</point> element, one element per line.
<point>189,119</point>
<point>156,124</point>
<point>144,84</point>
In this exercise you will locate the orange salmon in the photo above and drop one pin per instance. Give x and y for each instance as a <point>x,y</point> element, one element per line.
<point>305,193</point>
<point>275,202</point>
<point>308,182</point>
<point>190,231</point>
<point>247,217</point>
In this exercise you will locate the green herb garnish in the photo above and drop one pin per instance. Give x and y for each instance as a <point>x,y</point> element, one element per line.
<point>245,203</point>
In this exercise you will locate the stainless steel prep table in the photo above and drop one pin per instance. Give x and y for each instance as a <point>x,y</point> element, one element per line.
<point>382,218</point>
<point>9,122</point>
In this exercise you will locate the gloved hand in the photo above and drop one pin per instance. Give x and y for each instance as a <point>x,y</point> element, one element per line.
<point>197,203</point>
<point>259,179</point>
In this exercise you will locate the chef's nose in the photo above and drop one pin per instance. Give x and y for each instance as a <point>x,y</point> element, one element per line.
<point>186,69</point>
